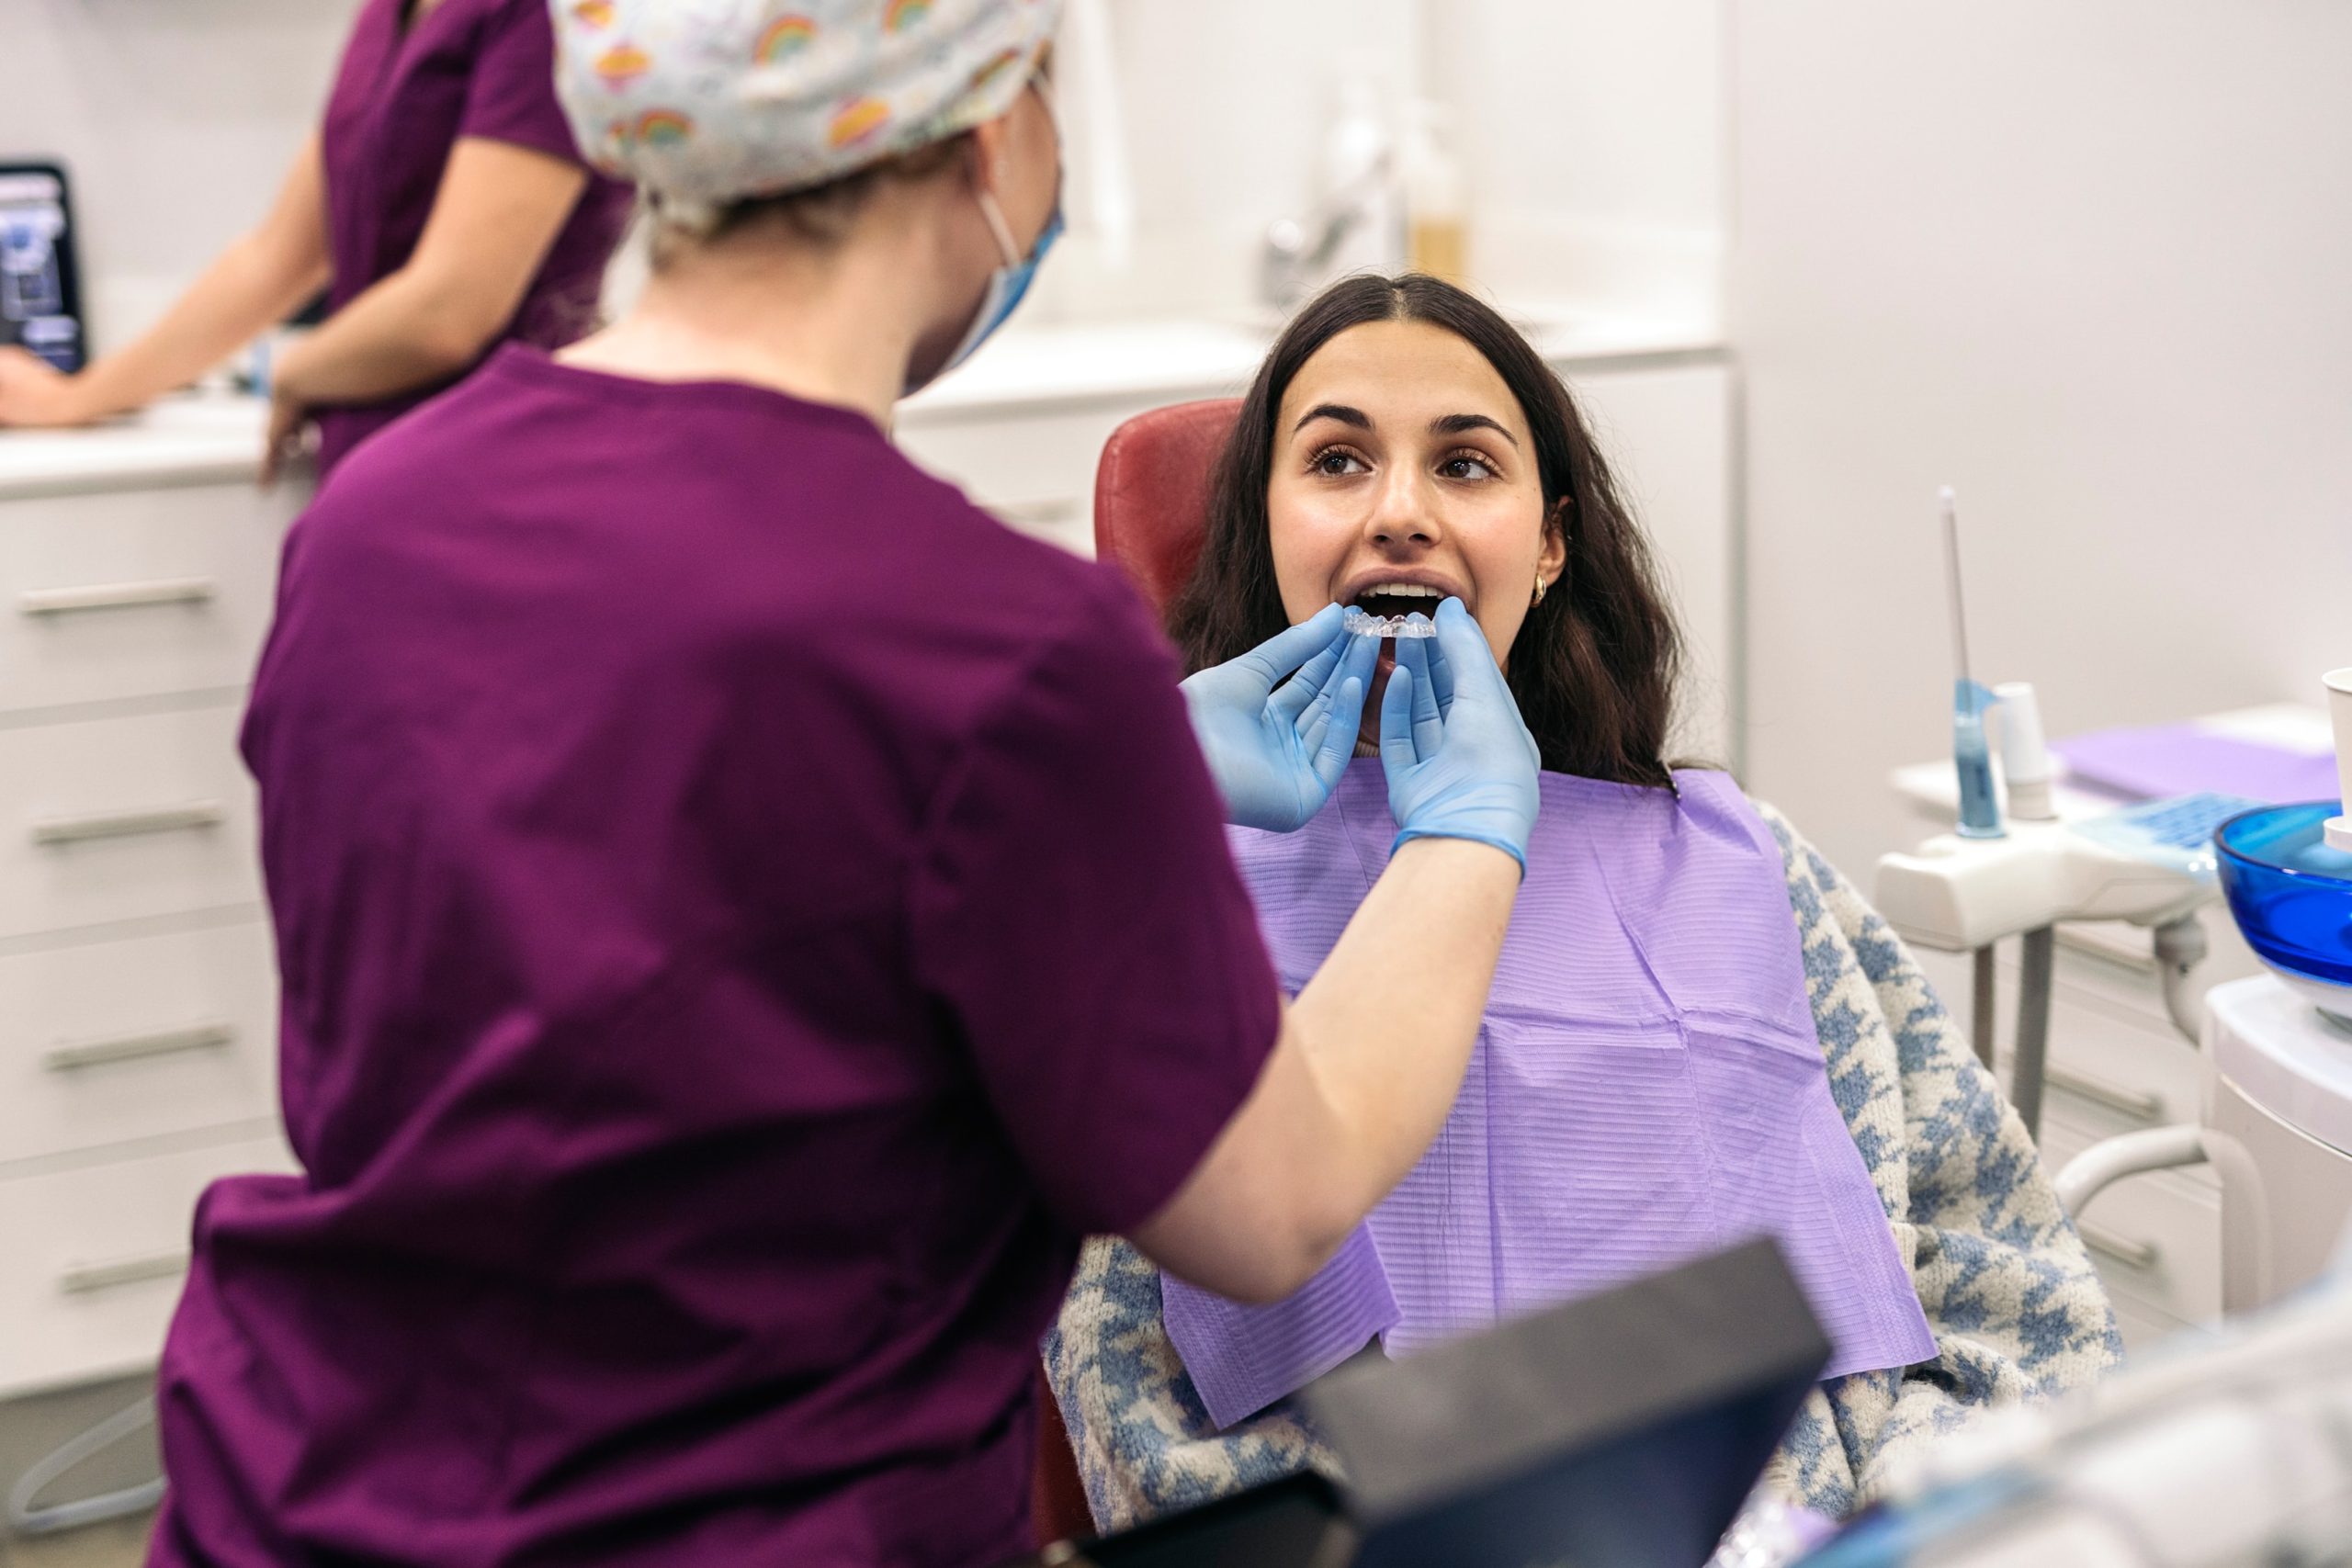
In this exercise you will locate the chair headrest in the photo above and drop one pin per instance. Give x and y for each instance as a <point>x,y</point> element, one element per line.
<point>1151,493</point>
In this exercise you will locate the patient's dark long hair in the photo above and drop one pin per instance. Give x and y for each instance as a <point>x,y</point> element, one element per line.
<point>1594,666</point>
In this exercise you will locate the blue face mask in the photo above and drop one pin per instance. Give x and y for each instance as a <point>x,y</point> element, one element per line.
<point>1008,283</point>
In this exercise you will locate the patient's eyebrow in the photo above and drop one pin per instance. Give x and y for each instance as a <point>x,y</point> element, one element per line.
<point>1339,412</point>
<point>1457,424</point>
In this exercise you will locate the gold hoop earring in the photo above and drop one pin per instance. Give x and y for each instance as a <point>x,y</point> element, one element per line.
<point>1540,586</point>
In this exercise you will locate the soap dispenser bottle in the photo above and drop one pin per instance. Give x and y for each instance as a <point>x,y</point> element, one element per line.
<point>1358,181</point>
<point>1436,205</point>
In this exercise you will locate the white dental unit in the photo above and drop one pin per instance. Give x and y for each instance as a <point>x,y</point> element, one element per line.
<point>2268,1138</point>
<point>2210,1450</point>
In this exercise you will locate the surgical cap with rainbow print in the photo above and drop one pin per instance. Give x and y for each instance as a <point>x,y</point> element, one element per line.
<point>712,101</point>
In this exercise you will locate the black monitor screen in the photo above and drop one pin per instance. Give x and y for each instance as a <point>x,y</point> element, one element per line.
<point>41,306</point>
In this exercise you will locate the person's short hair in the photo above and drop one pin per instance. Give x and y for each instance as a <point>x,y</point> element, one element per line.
<point>819,215</point>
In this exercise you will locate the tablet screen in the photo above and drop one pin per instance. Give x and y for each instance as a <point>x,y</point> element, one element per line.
<point>40,308</point>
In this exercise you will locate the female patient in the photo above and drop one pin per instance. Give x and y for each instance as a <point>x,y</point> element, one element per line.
<point>1697,1032</point>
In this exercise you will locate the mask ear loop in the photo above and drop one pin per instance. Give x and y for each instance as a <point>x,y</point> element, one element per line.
<point>1002,231</point>
<point>999,229</point>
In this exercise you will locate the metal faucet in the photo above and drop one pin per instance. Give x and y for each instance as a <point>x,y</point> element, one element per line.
<point>1296,252</point>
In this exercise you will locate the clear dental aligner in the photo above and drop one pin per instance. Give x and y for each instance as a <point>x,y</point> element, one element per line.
<point>1363,623</point>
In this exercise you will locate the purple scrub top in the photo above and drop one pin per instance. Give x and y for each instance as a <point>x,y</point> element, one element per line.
<point>1648,1086</point>
<point>743,915</point>
<point>404,95</point>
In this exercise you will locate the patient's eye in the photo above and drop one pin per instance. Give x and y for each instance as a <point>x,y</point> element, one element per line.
<point>1336,462</point>
<point>1466,466</point>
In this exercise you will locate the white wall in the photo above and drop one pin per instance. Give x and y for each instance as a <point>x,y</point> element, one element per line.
<point>1594,134</point>
<point>1591,132</point>
<point>176,116</point>
<point>2090,262</point>
<point>1224,102</point>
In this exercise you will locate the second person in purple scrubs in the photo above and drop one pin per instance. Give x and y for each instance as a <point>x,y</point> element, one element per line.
<point>442,205</point>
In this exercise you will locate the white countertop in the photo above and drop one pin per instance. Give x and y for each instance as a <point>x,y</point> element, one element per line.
<point>1151,359</point>
<point>188,439</point>
<point>1932,791</point>
<point>1933,788</point>
<point>195,439</point>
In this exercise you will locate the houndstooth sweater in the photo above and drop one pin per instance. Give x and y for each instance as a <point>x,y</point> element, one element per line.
<point>2007,1288</point>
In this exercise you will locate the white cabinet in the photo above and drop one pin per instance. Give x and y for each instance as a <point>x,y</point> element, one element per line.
<point>122,1041</point>
<point>137,989</point>
<point>1666,430</point>
<point>111,818</point>
<point>125,594</point>
<point>96,1254</point>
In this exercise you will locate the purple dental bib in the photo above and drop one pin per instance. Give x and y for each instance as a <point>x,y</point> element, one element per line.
<point>1647,1086</point>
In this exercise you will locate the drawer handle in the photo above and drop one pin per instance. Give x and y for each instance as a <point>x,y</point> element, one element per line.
<point>136,1047</point>
<point>196,814</point>
<point>2098,1091</point>
<point>2132,1254</point>
<point>84,1279</point>
<point>39,602</point>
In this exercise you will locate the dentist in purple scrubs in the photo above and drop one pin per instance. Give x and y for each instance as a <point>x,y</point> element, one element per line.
<point>744,914</point>
<point>442,206</point>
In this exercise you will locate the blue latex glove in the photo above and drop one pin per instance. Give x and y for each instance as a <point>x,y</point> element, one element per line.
<point>1460,761</point>
<point>1274,748</point>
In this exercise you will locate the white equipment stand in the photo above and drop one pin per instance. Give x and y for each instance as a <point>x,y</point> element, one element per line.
<point>1958,895</point>
<point>2278,1129</point>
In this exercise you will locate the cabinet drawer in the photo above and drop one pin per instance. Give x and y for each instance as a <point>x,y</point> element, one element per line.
<point>96,1258</point>
<point>135,594</point>
<point>115,1040</point>
<point>109,820</point>
<point>2157,1239</point>
<point>2141,1069</point>
<point>2133,1067</point>
<point>2143,1328</point>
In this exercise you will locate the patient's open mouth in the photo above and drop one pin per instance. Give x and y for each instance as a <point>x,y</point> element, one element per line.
<point>1391,600</point>
<point>1379,609</point>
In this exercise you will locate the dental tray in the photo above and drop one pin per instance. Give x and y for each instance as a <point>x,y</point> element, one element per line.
<point>2176,832</point>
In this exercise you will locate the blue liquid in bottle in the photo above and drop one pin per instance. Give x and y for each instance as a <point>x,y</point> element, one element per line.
<point>1980,812</point>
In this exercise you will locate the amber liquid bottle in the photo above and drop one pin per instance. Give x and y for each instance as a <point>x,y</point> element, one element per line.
<point>1436,211</point>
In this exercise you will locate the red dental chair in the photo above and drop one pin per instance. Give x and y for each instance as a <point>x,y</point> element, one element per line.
<point>1151,493</point>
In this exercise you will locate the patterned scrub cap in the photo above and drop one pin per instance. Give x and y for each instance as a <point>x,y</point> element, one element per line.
<point>712,101</point>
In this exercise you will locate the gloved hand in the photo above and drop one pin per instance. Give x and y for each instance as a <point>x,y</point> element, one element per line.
<point>1277,753</point>
<point>1460,761</point>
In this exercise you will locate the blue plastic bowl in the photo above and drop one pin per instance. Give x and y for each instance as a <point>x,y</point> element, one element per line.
<point>2290,893</point>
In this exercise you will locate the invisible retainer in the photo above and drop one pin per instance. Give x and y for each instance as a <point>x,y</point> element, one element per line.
<point>1363,623</point>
